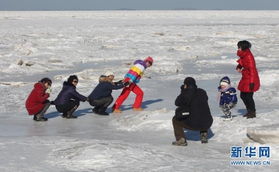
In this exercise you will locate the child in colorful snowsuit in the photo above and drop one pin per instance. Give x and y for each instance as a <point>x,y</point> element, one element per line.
<point>228,98</point>
<point>133,77</point>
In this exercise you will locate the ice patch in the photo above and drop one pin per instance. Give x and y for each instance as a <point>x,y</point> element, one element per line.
<point>146,120</point>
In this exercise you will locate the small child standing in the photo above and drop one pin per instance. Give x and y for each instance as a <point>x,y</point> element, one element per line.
<point>228,98</point>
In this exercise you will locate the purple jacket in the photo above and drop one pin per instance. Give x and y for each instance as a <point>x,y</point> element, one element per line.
<point>67,93</point>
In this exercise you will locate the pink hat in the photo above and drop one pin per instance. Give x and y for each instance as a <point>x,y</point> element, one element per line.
<point>149,59</point>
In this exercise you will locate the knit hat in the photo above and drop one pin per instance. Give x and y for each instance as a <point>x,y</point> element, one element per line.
<point>108,73</point>
<point>149,59</point>
<point>190,82</point>
<point>225,81</point>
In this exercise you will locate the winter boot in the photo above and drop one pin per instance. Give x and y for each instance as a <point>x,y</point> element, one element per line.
<point>95,110</point>
<point>70,113</point>
<point>203,137</point>
<point>246,114</point>
<point>138,109</point>
<point>117,111</point>
<point>181,142</point>
<point>40,116</point>
<point>251,115</point>
<point>36,118</point>
<point>102,111</point>
<point>228,116</point>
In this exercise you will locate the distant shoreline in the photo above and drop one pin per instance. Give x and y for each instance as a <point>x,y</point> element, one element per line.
<point>147,10</point>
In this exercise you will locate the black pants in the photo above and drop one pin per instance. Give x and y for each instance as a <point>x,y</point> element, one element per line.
<point>101,104</point>
<point>248,100</point>
<point>179,126</point>
<point>64,108</point>
<point>42,112</point>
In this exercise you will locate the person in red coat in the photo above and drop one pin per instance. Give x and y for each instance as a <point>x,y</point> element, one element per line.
<point>250,81</point>
<point>37,102</point>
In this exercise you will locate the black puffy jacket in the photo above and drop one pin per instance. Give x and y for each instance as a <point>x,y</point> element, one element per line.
<point>195,101</point>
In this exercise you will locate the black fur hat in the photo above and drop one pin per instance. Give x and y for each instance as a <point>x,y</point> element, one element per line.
<point>190,82</point>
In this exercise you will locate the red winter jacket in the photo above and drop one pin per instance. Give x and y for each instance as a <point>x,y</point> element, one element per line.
<point>36,99</point>
<point>249,71</point>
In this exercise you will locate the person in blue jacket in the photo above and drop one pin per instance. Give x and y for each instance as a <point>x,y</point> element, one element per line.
<point>101,96</point>
<point>68,99</point>
<point>228,97</point>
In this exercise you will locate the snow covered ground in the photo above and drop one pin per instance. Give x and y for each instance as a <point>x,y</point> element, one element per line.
<point>201,44</point>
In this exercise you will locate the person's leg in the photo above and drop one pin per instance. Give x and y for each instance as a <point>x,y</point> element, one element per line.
<point>203,135</point>
<point>251,105</point>
<point>96,105</point>
<point>68,108</point>
<point>103,104</point>
<point>139,96</point>
<point>122,97</point>
<point>226,108</point>
<point>244,99</point>
<point>250,102</point>
<point>40,116</point>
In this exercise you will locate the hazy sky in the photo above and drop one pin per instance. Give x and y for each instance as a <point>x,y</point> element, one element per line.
<point>138,4</point>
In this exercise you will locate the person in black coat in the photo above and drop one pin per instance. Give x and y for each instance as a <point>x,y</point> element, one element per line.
<point>68,99</point>
<point>101,96</point>
<point>192,113</point>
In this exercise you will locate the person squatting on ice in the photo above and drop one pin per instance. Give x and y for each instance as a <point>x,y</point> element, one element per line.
<point>133,77</point>
<point>101,96</point>
<point>227,96</point>
<point>68,99</point>
<point>250,81</point>
<point>37,102</point>
<point>192,112</point>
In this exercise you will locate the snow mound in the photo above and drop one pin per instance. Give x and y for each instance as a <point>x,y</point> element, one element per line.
<point>146,120</point>
<point>264,134</point>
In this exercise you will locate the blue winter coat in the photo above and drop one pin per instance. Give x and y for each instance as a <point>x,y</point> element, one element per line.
<point>227,96</point>
<point>104,89</point>
<point>68,93</point>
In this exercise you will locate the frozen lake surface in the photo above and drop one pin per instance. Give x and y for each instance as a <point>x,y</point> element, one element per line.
<point>201,44</point>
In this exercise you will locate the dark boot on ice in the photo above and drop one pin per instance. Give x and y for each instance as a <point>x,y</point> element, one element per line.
<point>95,110</point>
<point>36,118</point>
<point>40,116</point>
<point>102,111</point>
<point>203,137</point>
<point>70,113</point>
<point>251,115</point>
<point>181,142</point>
<point>64,115</point>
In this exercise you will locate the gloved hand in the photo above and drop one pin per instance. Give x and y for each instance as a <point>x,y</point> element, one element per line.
<point>126,84</point>
<point>48,91</point>
<point>238,67</point>
<point>251,86</point>
<point>118,82</point>
<point>182,87</point>
<point>46,101</point>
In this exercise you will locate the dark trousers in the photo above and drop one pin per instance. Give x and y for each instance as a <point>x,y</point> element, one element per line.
<point>102,103</point>
<point>41,113</point>
<point>248,100</point>
<point>64,108</point>
<point>179,126</point>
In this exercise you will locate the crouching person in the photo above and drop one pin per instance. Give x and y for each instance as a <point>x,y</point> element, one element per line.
<point>37,102</point>
<point>101,96</point>
<point>192,113</point>
<point>68,99</point>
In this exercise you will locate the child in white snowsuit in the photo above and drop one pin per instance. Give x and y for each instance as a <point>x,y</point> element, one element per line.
<point>228,97</point>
